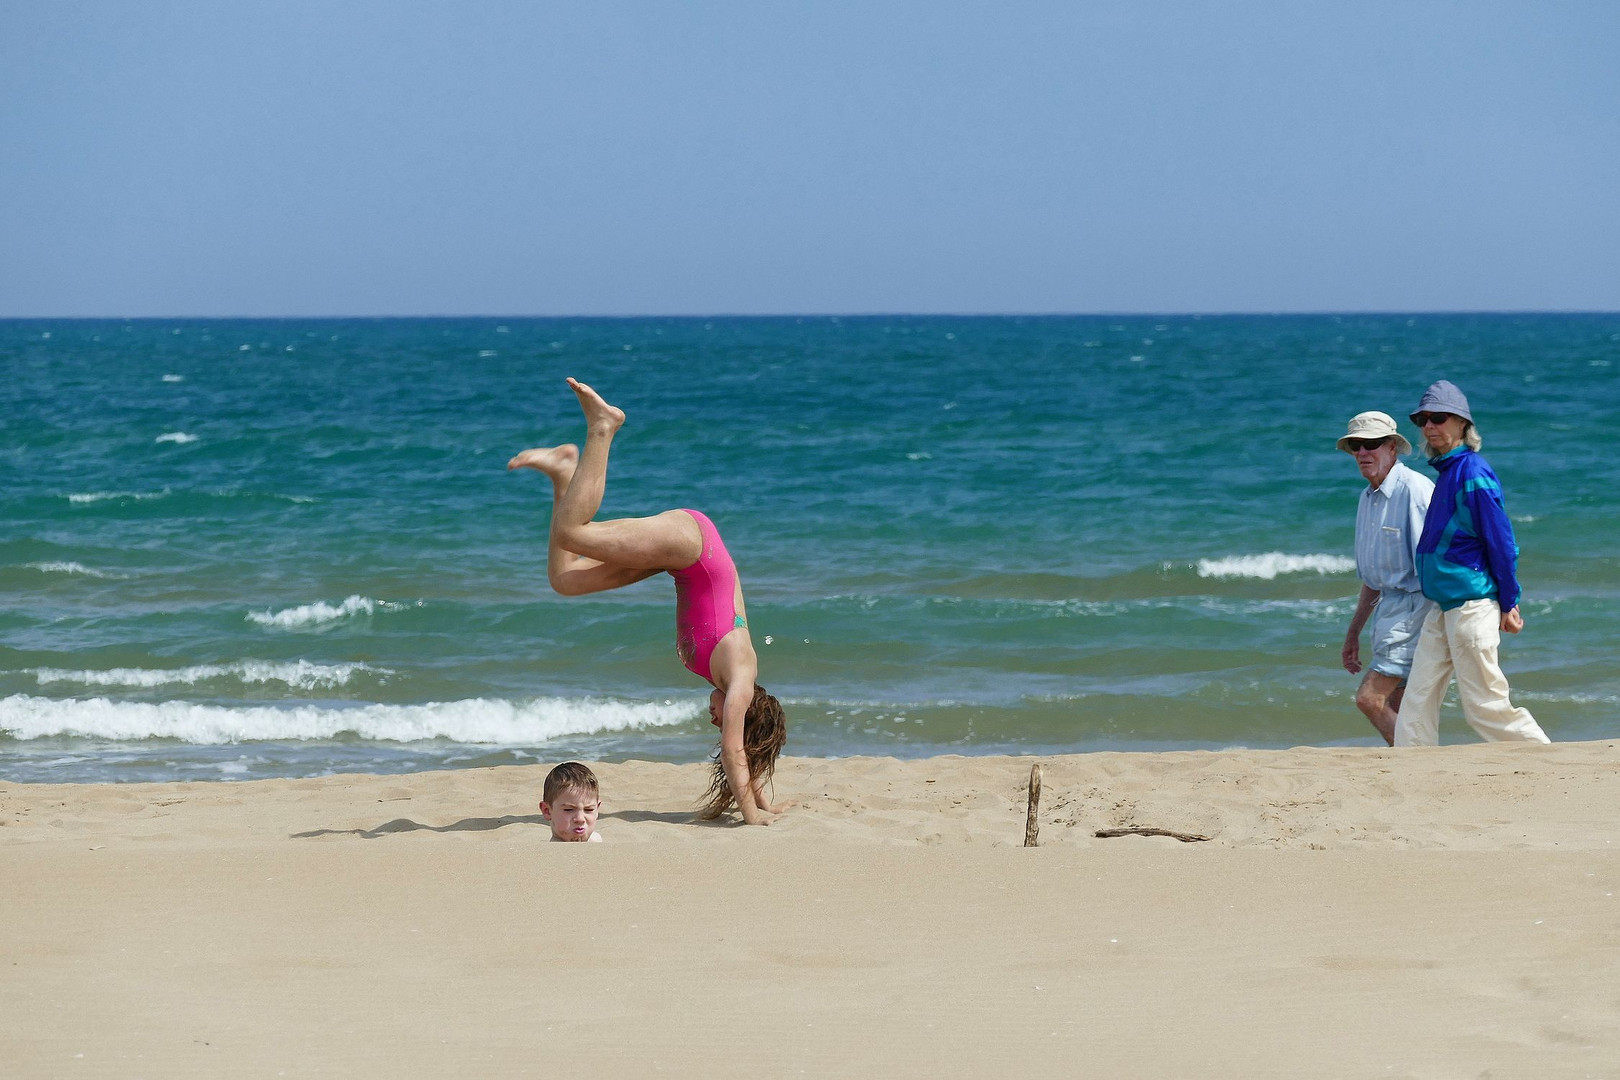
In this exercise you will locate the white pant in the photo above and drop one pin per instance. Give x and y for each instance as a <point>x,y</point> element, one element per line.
<point>1462,642</point>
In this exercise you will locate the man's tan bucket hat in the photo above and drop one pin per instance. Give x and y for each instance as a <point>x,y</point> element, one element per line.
<point>1374,425</point>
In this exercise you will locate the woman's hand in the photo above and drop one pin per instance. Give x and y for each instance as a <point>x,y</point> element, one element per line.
<point>1512,621</point>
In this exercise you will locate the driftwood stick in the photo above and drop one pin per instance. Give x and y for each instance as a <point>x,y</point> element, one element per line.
<point>1032,824</point>
<point>1149,830</point>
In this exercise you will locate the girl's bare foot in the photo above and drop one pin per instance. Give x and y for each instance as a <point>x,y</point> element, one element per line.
<point>556,462</point>
<point>599,415</point>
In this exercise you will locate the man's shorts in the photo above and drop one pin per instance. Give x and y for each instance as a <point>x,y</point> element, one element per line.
<point>1396,622</point>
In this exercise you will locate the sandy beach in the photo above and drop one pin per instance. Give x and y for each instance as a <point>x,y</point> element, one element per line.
<point>1452,912</point>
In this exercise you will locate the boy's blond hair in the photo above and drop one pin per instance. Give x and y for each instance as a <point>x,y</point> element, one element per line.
<point>570,774</point>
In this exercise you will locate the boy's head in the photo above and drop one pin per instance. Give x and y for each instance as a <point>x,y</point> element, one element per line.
<point>571,801</point>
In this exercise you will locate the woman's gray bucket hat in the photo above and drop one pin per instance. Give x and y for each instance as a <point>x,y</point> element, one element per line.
<point>1443,396</point>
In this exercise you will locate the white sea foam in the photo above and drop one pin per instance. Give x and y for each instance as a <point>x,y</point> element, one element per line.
<point>472,720</point>
<point>1577,698</point>
<point>297,674</point>
<point>1273,563</point>
<point>174,378</point>
<point>102,496</point>
<point>180,437</point>
<point>320,613</point>
<point>68,568</point>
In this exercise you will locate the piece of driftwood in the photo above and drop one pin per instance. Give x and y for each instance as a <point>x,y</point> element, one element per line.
<point>1032,824</point>
<point>1149,830</point>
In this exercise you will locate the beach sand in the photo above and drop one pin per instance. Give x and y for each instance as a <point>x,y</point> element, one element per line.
<point>1449,912</point>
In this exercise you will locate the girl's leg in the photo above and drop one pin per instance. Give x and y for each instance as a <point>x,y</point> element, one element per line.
<point>668,541</point>
<point>585,556</point>
<point>571,574</point>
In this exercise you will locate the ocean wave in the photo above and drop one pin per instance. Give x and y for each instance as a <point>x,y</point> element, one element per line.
<point>1273,563</point>
<point>180,437</point>
<point>472,720</point>
<point>68,568</point>
<point>1566,697</point>
<point>298,675</point>
<point>103,496</point>
<point>320,612</point>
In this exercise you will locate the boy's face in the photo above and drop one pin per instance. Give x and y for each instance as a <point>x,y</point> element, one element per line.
<point>573,814</point>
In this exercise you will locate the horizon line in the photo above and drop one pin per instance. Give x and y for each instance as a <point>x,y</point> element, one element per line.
<point>1142,314</point>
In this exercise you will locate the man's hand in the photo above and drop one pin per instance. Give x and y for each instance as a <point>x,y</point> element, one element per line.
<point>1350,655</point>
<point>1512,621</point>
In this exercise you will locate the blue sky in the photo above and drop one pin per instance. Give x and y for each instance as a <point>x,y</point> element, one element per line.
<point>291,158</point>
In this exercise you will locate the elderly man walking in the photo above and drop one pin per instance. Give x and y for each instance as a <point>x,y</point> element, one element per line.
<point>1466,560</point>
<point>1389,519</point>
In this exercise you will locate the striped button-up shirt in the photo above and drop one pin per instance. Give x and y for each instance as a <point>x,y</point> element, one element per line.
<point>1389,520</point>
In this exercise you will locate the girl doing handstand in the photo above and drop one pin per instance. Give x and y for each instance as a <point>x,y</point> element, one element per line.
<point>711,623</point>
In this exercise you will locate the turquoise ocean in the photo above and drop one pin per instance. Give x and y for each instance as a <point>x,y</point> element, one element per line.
<point>267,548</point>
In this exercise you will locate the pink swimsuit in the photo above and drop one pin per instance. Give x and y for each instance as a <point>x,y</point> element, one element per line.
<point>705,600</point>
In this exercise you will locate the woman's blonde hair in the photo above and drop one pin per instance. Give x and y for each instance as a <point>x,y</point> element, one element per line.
<point>1470,438</point>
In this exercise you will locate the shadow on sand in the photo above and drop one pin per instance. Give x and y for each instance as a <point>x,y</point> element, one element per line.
<point>484,824</point>
<point>683,817</point>
<point>404,825</point>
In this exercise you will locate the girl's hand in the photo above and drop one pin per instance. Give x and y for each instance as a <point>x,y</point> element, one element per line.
<point>757,817</point>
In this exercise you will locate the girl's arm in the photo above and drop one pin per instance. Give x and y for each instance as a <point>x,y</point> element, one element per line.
<point>768,807</point>
<point>734,759</point>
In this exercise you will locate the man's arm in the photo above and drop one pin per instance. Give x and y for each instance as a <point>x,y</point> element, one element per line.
<point>1350,655</point>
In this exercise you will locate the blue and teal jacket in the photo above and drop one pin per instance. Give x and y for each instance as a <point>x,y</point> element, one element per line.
<point>1467,551</point>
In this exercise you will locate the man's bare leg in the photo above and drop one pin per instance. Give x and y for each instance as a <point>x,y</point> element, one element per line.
<point>1379,699</point>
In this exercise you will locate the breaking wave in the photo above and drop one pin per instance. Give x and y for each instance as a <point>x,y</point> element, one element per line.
<point>297,675</point>
<point>473,720</point>
<point>68,568</point>
<point>320,613</point>
<point>1273,564</point>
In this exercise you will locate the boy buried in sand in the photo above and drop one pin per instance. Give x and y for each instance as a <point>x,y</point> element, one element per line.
<point>571,801</point>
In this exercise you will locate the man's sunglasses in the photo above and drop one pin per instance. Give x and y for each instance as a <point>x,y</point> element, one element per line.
<point>1358,445</point>
<point>1424,419</point>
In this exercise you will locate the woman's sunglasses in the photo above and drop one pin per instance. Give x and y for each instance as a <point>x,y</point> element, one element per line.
<point>1358,445</point>
<point>1424,419</point>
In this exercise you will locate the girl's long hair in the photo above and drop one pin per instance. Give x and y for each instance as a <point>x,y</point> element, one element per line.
<point>764,733</point>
